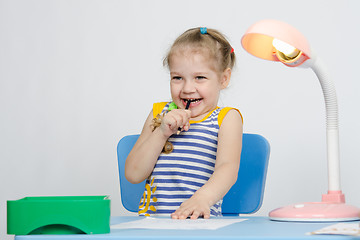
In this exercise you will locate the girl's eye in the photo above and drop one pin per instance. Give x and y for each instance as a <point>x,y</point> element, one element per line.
<point>176,78</point>
<point>200,77</point>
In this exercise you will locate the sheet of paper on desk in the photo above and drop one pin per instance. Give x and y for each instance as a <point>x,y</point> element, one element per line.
<point>340,229</point>
<point>168,223</point>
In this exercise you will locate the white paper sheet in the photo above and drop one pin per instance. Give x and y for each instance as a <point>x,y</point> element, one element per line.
<point>168,223</point>
<point>340,229</point>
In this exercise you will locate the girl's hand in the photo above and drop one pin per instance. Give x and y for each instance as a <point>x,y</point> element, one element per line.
<point>175,119</point>
<point>194,207</point>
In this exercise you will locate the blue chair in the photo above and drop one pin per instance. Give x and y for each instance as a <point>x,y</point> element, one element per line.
<point>244,197</point>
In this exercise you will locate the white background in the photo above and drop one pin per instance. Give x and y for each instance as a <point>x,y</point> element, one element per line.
<point>76,76</point>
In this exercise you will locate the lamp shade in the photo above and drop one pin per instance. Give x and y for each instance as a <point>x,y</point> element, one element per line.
<point>258,39</point>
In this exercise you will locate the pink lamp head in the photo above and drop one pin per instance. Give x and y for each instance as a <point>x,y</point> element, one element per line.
<point>262,37</point>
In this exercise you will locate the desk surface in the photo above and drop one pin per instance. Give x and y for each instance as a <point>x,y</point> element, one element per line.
<point>253,228</point>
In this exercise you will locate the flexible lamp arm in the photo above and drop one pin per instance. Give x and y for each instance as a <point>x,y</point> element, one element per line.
<point>332,128</point>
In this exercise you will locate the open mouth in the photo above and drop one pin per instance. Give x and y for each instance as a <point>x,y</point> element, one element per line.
<point>192,100</point>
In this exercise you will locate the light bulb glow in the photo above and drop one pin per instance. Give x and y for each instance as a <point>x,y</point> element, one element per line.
<point>287,54</point>
<point>283,47</point>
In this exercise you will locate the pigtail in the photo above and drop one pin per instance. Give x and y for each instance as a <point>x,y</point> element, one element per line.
<point>225,51</point>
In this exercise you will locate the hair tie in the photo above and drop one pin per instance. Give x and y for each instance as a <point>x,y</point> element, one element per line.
<point>203,30</point>
<point>232,50</point>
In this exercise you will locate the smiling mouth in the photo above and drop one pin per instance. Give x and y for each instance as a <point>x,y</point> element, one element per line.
<point>192,100</point>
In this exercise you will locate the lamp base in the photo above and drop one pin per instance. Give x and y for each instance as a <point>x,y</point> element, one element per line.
<point>316,212</point>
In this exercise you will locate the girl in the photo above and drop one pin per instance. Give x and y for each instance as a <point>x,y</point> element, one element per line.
<point>205,140</point>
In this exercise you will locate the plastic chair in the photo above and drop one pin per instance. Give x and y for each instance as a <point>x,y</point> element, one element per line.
<point>244,197</point>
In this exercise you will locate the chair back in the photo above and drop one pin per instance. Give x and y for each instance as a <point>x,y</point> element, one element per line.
<point>244,197</point>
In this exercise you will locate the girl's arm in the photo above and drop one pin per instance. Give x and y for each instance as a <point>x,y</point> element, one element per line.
<point>225,173</point>
<point>143,156</point>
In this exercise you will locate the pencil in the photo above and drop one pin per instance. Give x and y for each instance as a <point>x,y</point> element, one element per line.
<point>186,108</point>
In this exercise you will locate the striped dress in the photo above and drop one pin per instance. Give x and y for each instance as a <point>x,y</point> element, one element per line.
<point>178,175</point>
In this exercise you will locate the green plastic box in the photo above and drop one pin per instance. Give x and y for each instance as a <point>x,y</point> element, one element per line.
<point>59,215</point>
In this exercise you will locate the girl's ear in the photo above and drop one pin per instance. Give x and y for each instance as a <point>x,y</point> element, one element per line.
<point>225,78</point>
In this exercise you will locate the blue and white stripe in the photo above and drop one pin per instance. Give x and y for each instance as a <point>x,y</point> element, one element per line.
<point>178,175</point>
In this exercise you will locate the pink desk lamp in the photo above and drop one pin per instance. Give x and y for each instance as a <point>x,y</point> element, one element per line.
<point>278,41</point>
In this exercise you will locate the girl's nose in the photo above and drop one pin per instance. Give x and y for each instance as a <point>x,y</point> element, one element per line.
<point>189,86</point>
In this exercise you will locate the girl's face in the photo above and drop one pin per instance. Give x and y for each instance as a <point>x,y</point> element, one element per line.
<point>194,77</point>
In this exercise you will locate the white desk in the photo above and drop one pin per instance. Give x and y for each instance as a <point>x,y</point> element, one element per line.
<point>254,228</point>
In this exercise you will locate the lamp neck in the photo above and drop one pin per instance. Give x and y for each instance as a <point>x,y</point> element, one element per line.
<point>332,125</point>
<point>329,93</point>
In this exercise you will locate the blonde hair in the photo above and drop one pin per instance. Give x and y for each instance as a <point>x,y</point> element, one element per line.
<point>213,41</point>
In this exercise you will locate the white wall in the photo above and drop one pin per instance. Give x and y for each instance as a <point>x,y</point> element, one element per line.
<point>76,76</point>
